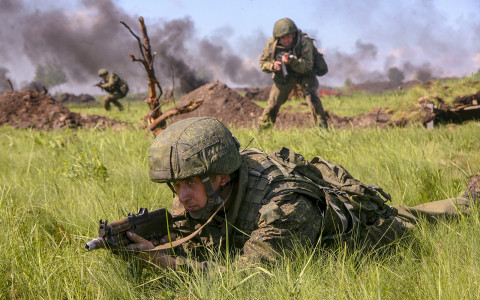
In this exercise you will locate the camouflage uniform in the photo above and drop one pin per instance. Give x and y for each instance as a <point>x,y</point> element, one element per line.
<point>113,85</point>
<point>276,200</point>
<point>300,71</point>
<point>268,212</point>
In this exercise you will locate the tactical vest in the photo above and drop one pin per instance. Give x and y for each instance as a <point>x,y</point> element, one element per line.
<point>319,67</point>
<point>348,201</point>
<point>119,85</point>
<point>267,178</point>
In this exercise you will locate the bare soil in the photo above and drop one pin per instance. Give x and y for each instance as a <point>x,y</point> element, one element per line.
<point>31,109</point>
<point>223,103</point>
<point>234,110</point>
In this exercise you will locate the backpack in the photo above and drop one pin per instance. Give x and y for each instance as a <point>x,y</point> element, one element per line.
<point>349,203</point>
<point>320,67</point>
<point>123,87</point>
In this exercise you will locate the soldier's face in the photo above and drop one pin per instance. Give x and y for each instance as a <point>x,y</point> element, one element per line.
<point>192,194</point>
<point>286,40</point>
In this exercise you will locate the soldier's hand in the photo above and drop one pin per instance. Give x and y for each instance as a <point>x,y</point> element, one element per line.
<point>159,258</point>
<point>165,239</point>
<point>277,65</point>
<point>139,243</point>
<point>286,59</point>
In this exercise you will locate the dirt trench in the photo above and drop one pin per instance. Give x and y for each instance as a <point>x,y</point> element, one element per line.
<point>32,109</point>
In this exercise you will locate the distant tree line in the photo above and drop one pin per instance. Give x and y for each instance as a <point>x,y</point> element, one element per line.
<point>50,74</point>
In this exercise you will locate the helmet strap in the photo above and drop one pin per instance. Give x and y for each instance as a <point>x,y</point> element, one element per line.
<point>213,199</point>
<point>171,188</point>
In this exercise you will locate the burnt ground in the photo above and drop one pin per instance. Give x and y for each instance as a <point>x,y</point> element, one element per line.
<point>234,110</point>
<point>31,109</point>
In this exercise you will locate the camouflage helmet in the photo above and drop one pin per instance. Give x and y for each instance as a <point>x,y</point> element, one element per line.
<point>283,27</point>
<point>102,72</point>
<point>192,147</point>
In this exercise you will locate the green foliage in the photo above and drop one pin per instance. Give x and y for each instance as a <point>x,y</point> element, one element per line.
<point>423,75</point>
<point>50,74</point>
<point>56,185</point>
<point>477,75</point>
<point>84,166</point>
<point>395,76</point>
<point>348,82</point>
<point>402,103</point>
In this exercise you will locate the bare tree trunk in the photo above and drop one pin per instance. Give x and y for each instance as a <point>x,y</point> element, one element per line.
<point>190,106</point>
<point>10,84</point>
<point>153,84</point>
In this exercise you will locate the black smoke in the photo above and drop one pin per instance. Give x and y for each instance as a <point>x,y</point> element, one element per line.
<point>4,86</point>
<point>415,40</point>
<point>82,44</point>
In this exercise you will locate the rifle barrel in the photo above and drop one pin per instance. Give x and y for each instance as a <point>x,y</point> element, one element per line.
<point>94,244</point>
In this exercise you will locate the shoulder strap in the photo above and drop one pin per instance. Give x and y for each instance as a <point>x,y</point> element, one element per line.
<point>176,243</point>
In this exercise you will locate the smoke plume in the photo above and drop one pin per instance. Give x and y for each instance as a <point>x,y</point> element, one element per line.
<point>91,37</point>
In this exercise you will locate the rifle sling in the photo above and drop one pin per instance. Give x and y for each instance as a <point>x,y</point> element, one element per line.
<point>176,243</point>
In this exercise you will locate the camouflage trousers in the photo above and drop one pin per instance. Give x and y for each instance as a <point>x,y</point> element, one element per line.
<point>113,98</point>
<point>404,218</point>
<point>279,95</point>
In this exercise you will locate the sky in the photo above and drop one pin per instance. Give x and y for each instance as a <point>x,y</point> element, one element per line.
<point>207,40</point>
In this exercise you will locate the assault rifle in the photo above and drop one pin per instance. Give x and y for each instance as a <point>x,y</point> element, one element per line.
<point>149,225</point>
<point>99,84</point>
<point>279,58</point>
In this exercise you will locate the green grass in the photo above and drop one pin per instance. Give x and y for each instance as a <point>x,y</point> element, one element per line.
<point>399,102</point>
<point>56,185</point>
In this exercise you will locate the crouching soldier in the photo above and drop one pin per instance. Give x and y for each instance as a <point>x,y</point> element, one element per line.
<point>263,203</point>
<point>116,88</point>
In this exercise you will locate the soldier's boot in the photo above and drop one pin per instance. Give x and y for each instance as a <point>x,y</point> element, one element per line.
<point>119,105</point>
<point>267,119</point>
<point>473,188</point>
<point>317,110</point>
<point>323,116</point>
<point>265,126</point>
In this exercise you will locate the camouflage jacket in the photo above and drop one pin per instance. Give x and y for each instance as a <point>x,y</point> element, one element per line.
<point>265,214</point>
<point>112,84</point>
<point>302,49</point>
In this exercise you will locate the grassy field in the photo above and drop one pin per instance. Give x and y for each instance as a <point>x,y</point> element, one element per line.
<point>55,186</point>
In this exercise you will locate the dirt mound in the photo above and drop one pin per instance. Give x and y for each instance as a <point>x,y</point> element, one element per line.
<point>223,103</point>
<point>71,98</point>
<point>31,109</point>
<point>259,94</point>
<point>232,109</point>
